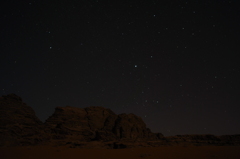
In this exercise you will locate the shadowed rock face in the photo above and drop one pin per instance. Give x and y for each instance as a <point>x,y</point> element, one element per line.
<point>77,126</point>
<point>18,122</point>
<point>20,126</point>
<point>130,126</point>
<point>96,123</point>
<point>81,123</point>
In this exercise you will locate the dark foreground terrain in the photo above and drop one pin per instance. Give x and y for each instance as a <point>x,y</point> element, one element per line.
<point>163,152</point>
<point>97,132</point>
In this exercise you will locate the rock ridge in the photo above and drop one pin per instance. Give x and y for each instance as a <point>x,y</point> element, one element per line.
<point>20,126</point>
<point>90,127</point>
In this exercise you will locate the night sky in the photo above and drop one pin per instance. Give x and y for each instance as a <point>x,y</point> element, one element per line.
<point>173,63</point>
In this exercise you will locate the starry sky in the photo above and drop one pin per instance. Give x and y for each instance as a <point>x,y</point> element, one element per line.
<point>173,63</point>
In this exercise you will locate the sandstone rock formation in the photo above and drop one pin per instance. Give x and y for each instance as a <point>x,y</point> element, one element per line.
<point>18,122</point>
<point>20,126</point>
<point>86,124</point>
<point>96,123</point>
<point>87,127</point>
<point>130,126</point>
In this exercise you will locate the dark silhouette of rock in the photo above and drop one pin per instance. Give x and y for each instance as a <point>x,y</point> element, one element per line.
<point>91,127</point>
<point>86,124</point>
<point>96,123</point>
<point>18,122</point>
<point>130,126</point>
<point>205,139</point>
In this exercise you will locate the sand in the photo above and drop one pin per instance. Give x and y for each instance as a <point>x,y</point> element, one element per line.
<point>164,152</point>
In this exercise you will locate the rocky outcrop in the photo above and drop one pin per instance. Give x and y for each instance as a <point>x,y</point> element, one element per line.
<point>20,126</point>
<point>205,139</point>
<point>129,126</point>
<point>96,123</point>
<point>91,127</point>
<point>85,124</point>
<point>18,122</point>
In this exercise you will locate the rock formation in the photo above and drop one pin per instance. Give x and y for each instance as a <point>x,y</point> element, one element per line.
<point>87,127</point>
<point>20,126</point>
<point>96,123</point>
<point>84,124</point>
<point>18,122</point>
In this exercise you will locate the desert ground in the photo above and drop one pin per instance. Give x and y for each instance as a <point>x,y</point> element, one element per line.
<point>164,152</point>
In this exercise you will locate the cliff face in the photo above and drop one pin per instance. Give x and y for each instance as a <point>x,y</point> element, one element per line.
<point>96,123</point>
<point>89,127</point>
<point>18,122</point>
<point>81,123</point>
<point>20,126</point>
